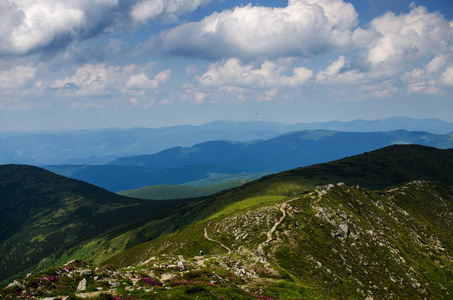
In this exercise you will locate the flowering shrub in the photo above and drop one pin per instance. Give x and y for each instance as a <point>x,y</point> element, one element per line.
<point>260,296</point>
<point>148,280</point>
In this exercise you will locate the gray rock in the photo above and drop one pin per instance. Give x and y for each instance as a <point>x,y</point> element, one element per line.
<point>344,227</point>
<point>341,232</point>
<point>17,284</point>
<point>82,285</point>
<point>182,265</point>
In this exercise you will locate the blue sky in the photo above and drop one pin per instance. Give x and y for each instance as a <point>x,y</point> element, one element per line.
<point>79,64</point>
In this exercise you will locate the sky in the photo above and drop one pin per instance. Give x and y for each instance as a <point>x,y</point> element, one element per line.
<point>81,64</point>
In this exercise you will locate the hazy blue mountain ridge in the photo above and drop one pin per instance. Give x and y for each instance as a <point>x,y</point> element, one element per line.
<point>103,145</point>
<point>181,165</point>
<point>287,151</point>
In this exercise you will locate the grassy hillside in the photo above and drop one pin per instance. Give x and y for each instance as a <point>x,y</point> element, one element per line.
<point>333,241</point>
<point>46,218</point>
<point>403,163</point>
<point>381,168</point>
<point>336,242</point>
<point>374,170</point>
<point>166,192</point>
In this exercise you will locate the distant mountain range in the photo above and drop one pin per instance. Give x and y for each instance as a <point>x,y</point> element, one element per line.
<point>104,145</point>
<point>241,160</point>
<point>288,151</point>
<point>310,232</point>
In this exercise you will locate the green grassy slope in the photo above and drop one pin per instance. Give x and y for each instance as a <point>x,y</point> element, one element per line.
<point>337,242</point>
<point>46,217</point>
<point>401,163</point>
<point>378,169</point>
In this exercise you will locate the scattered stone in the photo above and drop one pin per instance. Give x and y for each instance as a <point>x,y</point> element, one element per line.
<point>114,284</point>
<point>70,262</point>
<point>167,276</point>
<point>84,272</point>
<point>172,266</point>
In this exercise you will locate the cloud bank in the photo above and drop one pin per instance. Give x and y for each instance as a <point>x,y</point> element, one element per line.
<point>307,48</point>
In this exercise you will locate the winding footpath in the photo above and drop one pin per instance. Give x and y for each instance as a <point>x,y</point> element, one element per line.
<point>271,232</point>
<point>212,240</point>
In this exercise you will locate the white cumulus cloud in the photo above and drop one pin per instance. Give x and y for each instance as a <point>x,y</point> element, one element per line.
<point>16,77</point>
<point>232,73</point>
<point>402,40</point>
<point>413,49</point>
<point>304,28</point>
<point>447,77</point>
<point>30,25</point>
<point>146,10</point>
<point>99,79</point>
<point>141,81</point>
